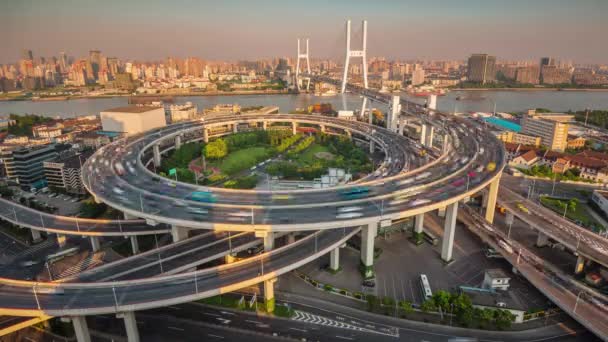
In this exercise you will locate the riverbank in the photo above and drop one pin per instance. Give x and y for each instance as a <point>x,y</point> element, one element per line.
<point>532,89</point>
<point>213,93</point>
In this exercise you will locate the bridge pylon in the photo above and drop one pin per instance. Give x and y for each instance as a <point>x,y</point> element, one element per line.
<point>303,55</point>
<point>355,53</point>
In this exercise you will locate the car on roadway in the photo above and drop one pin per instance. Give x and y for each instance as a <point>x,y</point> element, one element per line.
<point>355,192</point>
<point>348,215</point>
<point>420,201</point>
<point>348,209</point>
<point>522,207</point>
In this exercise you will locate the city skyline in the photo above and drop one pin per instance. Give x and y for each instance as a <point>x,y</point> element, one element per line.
<point>507,30</point>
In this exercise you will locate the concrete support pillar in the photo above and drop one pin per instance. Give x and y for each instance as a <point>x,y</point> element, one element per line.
<point>291,238</point>
<point>402,124</point>
<point>205,135</point>
<point>264,125</point>
<point>178,142</point>
<point>322,128</point>
<point>268,241</point>
<point>542,240</point>
<point>61,240</point>
<point>179,233</point>
<point>269,294</point>
<point>129,216</point>
<point>294,128</point>
<point>372,146</point>
<point>446,143</point>
<point>419,223</point>
<point>449,228</point>
<point>95,245</point>
<point>36,235</point>
<point>441,212</point>
<point>156,150</point>
<point>81,329</point>
<point>430,131</point>
<point>334,259</point>
<point>423,134</point>
<point>370,117</point>
<point>235,128</point>
<point>580,265</point>
<point>491,202</point>
<point>130,325</point>
<point>349,134</point>
<point>134,244</point>
<point>368,234</point>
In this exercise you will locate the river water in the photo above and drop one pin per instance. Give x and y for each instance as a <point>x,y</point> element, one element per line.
<point>506,101</point>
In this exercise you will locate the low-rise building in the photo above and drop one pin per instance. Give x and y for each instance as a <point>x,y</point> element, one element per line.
<point>575,142</point>
<point>518,138</point>
<point>132,119</point>
<point>496,279</point>
<point>183,112</point>
<point>525,160</point>
<point>65,173</point>
<point>92,139</point>
<point>503,300</point>
<point>25,165</point>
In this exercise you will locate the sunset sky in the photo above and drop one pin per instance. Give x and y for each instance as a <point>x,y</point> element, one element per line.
<point>233,30</point>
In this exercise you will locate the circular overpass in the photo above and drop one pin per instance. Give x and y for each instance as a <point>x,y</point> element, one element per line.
<point>406,184</point>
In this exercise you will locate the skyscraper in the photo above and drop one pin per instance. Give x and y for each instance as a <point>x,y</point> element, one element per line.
<point>547,61</point>
<point>481,68</point>
<point>95,59</point>
<point>27,54</point>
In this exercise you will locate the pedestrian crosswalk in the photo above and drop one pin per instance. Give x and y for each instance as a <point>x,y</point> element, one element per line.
<point>84,264</point>
<point>320,320</point>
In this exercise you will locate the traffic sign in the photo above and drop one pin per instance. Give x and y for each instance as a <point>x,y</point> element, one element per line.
<point>172,172</point>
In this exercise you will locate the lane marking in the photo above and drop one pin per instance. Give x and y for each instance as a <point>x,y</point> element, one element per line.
<point>297,329</point>
<point>345,338</point>
<point>174,307</point>
<point>176,328</point>
<point>210,314</point>
<point>216,336</point>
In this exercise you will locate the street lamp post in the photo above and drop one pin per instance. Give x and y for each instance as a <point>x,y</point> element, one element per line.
<point>576,303</point>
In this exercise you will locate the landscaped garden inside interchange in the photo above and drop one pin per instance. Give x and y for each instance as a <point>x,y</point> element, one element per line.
<point>228,161</point>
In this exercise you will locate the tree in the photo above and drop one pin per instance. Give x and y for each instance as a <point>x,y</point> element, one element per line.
<point>428,306</point>
<point>216,149</point>
<point>503,318</point>
<point>462,307</point>
<point>441,299</point>
<point>484,316</point>
<point>572,204</point>
<point>406,307</point>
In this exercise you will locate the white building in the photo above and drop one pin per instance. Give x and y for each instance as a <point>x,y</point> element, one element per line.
<point>346,115</point>
<point>183,112</point>
<point>496,279</point>
<point>133,119</point>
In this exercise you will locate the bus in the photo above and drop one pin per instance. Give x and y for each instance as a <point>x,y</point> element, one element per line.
<point>430,238</point>
<point>354,193</point>
<point>201,196</point>
<point>425,287</point>
<point>62,254</point>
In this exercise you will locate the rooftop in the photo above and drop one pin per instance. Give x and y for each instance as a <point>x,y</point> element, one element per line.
<point>505,124</point>
<point>131,109</point>
<point>491,299</point>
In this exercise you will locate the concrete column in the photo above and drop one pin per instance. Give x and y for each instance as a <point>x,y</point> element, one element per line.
<point>81,329</point>
<point>36,235</point>
<point>294,128</point>
<point>370,117</point>
<point>178,142</point>
<point>268,241</point>
<point>134,244</point>
<point>491,206</point>
<point>429,136</point>
<point>419,223</point>
<point>156,150</point>
<point>441,212</point>
<point>129,216</point>
<point>349,134</point>
<point>449,228</point>
<point>368,234</point>
<point>205,135</point>
<point>322,128</point>
<point>235,128</point>
<point>402,124</point>
<point>264,125</point>
<point>423,134</point>
<point>61,239</point>
<point>372,146</point>
<point>446,143</point>
<point>95,245</point>
<point>130,325</point>
<point>334,259</point>
<point>580,265</point>
<point>179,233</point>
<point>542,240</point>
<point>269,294</point>
<point>291,238</point>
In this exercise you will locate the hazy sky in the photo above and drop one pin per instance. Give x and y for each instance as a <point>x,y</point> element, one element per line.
<point>231,29</point>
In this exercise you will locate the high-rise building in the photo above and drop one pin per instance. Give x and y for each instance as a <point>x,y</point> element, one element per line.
<point>25,165</point>
<point>551,74</point>
<point>547,61</point>
<point>481,68</point>
<point>63,62</point>
<point>27,54</point>
<point>64,173</point>
<point>95,59</point>
<point>418,76</point>
<point>551,128</point>
<point>528,74</point>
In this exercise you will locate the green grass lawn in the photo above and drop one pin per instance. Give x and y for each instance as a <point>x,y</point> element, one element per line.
<point>579,214</point>
<point>308,156</point>
<point>243,159</point>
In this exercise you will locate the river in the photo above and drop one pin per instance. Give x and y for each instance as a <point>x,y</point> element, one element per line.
<point>506,101</point>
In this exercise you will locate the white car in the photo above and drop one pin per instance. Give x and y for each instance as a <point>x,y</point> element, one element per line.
<point>348,215</point>
<point>240,214</point>
<point>420,202</point>
<point>348,209</point>
<point>118,190</point>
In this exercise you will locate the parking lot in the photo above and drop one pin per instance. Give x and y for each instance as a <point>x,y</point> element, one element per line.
<point>67,205</point>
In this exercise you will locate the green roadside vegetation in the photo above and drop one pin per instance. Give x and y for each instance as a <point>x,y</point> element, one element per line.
<point>24,123</point>
<point>232,302</point>
<point>544,171</point>
<point>574,210</point>
<point>594,117</point>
